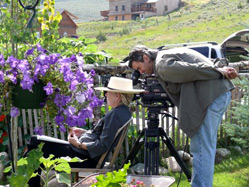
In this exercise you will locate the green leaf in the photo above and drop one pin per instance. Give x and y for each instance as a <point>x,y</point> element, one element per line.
<point>63,167</point>
<point>47,162</point>
<point>63,178</point>
<point>7,169</point>
<point>112,178</point>
<point>22,161</point>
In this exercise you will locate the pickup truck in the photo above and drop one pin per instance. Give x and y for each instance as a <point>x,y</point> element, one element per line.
<point>233,47</point>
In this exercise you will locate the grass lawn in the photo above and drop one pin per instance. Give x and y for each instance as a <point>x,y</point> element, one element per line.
<point>231,172</point>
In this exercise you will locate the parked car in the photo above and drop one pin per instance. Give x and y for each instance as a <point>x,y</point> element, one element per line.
<point>232,48</point>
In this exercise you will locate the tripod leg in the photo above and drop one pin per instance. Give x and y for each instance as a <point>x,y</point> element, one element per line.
<point>173,151</point>
<point>151,154</point>
<point>139,142</point>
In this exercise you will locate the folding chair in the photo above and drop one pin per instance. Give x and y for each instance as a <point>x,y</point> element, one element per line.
<point>116,146</point>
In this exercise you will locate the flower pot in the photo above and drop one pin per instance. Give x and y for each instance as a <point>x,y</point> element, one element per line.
<point>25,99</point>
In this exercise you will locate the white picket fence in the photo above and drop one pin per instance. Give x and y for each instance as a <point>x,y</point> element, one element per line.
<point>29,119</point>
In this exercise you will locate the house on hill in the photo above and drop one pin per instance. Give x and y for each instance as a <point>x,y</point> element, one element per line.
<point>133,9</point>
<point>67,26</point>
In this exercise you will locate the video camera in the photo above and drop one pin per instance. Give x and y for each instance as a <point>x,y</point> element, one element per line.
<point>154,94</point>
<point>154,97</point>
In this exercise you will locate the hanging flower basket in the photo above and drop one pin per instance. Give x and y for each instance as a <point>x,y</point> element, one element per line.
<point>25,99</point>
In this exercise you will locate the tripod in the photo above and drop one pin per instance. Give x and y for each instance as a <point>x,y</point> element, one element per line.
<point>152,147</point>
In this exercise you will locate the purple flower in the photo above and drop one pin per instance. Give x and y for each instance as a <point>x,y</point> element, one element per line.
<point>2,61</point>
<point>83,114</point>
<point>40,49</point>
<point>38,130</point>
<point>29,52</point>
<point>59,119</point>
<point>43,59</point>
<point>80,60</point>
<point>68,76</point>
<point>12,78</point>
<point>57,89</point>
<point>1,77</point>
<point>81,98</point>
<point>69,111</point>
<point>73,85</point>
<point>96,102</point>
<point>64,65</point>
<point>54,58</point>
<point>23,66</point>
<point>89,82</point>
<point>13,62</point>
<point>27,83</point>
<point>72,120</point>
<point>61,100</point>
<point>81,76</point>
<point>73,58</point>
<point>92,72</point>
<point>64,61</point>
<point>49,88</point>
<point>14,112</point>
<point>39,69</point>
<point>62,128</point>
<point>89,93</point>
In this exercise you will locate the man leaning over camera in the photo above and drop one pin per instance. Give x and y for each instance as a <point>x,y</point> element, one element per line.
<point>200,89</point>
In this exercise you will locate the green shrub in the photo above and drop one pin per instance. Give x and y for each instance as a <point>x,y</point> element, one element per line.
<point>101,37</point>
<point>240,6</point>
<point>124,31</point>
<point>238,130</point>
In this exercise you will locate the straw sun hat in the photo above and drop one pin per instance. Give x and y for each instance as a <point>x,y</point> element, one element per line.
<point>120,85</point>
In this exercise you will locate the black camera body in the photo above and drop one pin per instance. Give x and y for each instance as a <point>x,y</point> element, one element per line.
<point>154,98</point>
<point>154,94</point>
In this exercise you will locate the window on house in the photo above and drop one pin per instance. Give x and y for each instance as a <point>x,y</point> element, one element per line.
<point>123,17</point>
<point>123,7</point>
<point>116,18</point>
<point>116,8</point>
<point>166,8</point>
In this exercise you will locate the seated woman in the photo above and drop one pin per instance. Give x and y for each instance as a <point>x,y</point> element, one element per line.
<point>91,144</point>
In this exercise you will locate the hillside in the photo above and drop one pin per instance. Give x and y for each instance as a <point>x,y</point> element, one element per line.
<point>197,20</point>
<point>85,10</point>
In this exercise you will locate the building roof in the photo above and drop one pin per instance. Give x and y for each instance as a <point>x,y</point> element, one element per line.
<point>70,15</point>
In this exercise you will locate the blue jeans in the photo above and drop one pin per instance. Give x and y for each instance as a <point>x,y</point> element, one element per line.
<point>203,143</point>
